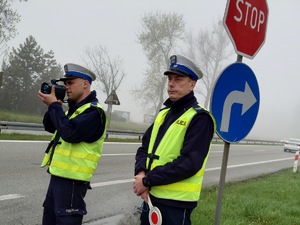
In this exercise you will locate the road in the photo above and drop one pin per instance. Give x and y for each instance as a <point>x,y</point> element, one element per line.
<point>23,184</point>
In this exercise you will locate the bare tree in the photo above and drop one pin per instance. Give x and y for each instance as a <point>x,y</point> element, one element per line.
<point>158,37</point>
<point>209,50</point>
<point>8,20</point>
<point>108,70</point>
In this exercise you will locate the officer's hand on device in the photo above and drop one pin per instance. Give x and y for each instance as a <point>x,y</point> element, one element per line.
<point>48,99</point>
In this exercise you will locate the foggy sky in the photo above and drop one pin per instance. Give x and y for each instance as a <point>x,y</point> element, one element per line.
<point>69,26</point>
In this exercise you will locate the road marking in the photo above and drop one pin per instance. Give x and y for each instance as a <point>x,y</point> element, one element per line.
<point>101,184</point>
<point>22,141</point>
<point>216,152</point>
<point>249,164</point>
<point>11,196</point>
<point>118,154</point>
<point>37,141</point>
<point>122,143</point>
<point>107,183</point>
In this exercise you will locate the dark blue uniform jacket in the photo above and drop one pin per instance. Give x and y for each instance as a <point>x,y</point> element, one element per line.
<point>195,148</point>
<point>85,127</point>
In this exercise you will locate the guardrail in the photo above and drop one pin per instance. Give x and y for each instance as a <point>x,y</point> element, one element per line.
<point>8,125</point>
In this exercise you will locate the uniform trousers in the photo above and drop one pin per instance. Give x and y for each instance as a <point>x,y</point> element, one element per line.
<point>170,215</point>
<point>64,203</point>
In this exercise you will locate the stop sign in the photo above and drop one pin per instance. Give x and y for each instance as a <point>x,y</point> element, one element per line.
<point>246,24</point>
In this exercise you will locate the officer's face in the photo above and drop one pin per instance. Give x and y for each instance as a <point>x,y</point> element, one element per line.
<point>76,89</point>
<point>179,86</point>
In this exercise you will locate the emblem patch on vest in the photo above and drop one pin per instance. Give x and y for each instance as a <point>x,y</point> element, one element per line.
<point>181,122</point>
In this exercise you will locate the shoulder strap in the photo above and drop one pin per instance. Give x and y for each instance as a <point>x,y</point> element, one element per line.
<point>198,108</point>
<point>94,104</point>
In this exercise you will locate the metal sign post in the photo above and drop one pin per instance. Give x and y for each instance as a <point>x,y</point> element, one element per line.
<point>235,107</point>
<point>222,183</point>
<point>235,99</point>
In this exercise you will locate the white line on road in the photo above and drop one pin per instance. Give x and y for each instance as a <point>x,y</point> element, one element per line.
<point>37,141</point>
<point>249,164</point>
<point>216,152</point>
<point>118,154</point>
<point>107,183</point>
<point>11,196</point>
<point>22,141</point>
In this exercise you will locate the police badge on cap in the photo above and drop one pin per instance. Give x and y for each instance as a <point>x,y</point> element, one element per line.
<point>183,66</point>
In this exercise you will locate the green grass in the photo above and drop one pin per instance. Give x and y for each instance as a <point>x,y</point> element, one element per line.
<point>17,136</point>
<point>269,199</point>
<point>26,137</point>
<point>19,117</point>
<point>129,126</point>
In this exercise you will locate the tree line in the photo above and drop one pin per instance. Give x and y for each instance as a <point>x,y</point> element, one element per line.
<point>162,34</point>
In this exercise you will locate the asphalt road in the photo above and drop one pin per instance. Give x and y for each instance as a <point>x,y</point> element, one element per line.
<point>23,184</point>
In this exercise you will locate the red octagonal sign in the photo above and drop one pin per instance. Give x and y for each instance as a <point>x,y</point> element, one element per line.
<point>246,24</point>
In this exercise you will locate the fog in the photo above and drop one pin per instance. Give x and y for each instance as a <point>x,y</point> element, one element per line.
<point>69,26</point>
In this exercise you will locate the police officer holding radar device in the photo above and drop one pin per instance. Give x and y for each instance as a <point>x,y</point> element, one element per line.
<point>76,146</point>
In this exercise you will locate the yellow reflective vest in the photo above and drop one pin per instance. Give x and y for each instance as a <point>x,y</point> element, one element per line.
<point>168,150</point>
<point>76,161</point>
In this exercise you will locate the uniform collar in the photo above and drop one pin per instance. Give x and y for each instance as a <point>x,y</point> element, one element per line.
<point>185,102</point>
<point>91,97</point>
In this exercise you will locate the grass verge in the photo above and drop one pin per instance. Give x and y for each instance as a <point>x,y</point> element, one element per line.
<point>269,199</point>
<point>17,136</point>
<point>265,200</point>
<point>18,117</point>
<point>26,137</point>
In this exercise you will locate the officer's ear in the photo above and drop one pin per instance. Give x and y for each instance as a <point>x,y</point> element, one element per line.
<point>86,84</point>
<point>192,85</point>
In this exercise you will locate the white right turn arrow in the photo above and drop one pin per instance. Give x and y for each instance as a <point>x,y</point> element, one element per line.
<point>246,98</point>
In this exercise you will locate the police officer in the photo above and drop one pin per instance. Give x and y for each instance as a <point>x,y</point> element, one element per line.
<point>75,149</point>
<point>171,161</point>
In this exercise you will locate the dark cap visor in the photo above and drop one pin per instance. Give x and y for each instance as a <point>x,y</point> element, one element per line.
<point>178,72</point>
<point>69,78</point>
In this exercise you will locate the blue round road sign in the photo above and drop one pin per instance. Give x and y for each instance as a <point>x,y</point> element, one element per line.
<point>235,102</point>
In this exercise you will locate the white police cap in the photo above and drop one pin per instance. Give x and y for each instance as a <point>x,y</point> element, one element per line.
<point>185,67</point>
<point>73,71</point>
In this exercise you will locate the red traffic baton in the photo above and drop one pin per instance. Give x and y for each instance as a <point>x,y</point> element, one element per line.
<point>155,217</point>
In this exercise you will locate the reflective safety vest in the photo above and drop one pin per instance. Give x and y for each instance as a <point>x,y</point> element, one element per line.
<point>168,150</point>
<point>76,161</point>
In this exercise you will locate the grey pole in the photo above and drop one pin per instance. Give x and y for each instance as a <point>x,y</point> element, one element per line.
<point>222,183</point>
<point>223,172</point>
<point>239,58</point>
